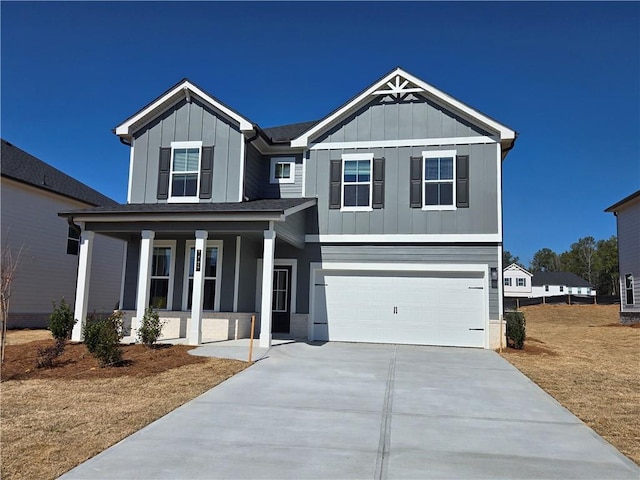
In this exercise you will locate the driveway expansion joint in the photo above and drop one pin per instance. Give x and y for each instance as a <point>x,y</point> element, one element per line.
<point>384,444</point>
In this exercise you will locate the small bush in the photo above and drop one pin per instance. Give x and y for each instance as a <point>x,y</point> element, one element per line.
<point>47,355</point>
<point>150,328</point>
<point>61,321</point>
<point>515,329</point>
<point>102,337</point>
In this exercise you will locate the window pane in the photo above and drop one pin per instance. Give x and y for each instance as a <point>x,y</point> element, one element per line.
<point>208,302</point>
<point>161,261</point>
<point>364,170</point>
<point>431,194</point>
<point>73,233</point>
<point>350,171</point>
<point>350,195</point>
<point>446,168</point>
<point>190,294</point>
<point>185,160</point>
<point>446,194</point>
<point>73,246</point>
<point>283,170</point>
<point>192,256</point>
<point>211,266</point>
<point>184,185</point>
<point>362,195</point>
<point>431,169</point>
<point>159,292</point>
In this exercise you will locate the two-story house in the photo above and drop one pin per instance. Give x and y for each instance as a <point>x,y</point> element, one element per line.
<point>381,222</point>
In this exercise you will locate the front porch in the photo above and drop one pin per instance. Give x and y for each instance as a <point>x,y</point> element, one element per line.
<point>205,274</point>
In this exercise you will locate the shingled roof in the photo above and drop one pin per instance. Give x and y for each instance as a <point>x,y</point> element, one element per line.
<point>285,133</point>
<point>558,278</point>
<point>23,167</point>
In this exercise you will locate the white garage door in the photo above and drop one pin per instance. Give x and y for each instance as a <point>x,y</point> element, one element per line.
<point>384,307</point>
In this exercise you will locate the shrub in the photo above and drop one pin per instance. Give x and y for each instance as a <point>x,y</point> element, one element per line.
<point>150,328</point>
<point>61,321</point>
<point>515,329</point>
<point>102,337</point>
<point>47,355</point>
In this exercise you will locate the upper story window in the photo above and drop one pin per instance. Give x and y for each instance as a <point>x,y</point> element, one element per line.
<point>439,180</point>
<point>185,171</point>
<point>507,282</point>
<point>283,170</point>
<point>521,282</point>
<point>356,181</point>
<point>628,285</point>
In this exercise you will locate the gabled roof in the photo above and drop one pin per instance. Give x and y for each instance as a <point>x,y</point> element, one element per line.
<point>285,133</point>
<point>558,278</point>
<point>184,89</point>
<point>399,81</point>
<point>515,266</point>
<point>23,167</point>
<point>622,203</point>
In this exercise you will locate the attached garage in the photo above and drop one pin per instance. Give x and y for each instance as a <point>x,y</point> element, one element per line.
<point>443,305</point>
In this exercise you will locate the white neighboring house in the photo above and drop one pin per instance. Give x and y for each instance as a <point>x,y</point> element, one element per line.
<point>32,194</point>
<point>549,284</point>
<point>517,281</point>
<point>627,212</point>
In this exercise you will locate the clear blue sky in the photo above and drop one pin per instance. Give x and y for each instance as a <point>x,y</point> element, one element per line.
<point>566,76</point>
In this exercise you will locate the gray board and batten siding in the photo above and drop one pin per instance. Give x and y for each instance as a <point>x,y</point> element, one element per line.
<point>188,121</point>
<point>419,119</point>
<point>390,119</point>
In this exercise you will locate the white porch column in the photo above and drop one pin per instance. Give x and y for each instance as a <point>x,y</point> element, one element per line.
<point>194,336</point>
<point>267,288</point>
<point>144,279</point>
<point>82,285</point>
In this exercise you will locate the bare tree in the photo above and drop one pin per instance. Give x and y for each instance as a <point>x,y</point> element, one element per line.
<point>8,269</point>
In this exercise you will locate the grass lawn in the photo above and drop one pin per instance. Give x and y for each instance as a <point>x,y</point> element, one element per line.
<point>54,419</point>
<point>586,360</point>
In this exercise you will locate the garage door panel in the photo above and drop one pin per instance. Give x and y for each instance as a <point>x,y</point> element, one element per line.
<point>408,308</point>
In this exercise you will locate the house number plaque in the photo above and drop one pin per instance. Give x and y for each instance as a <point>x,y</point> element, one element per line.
<point>198,259</point>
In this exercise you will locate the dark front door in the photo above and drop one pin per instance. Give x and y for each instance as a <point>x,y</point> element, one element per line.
<point>281,300</point>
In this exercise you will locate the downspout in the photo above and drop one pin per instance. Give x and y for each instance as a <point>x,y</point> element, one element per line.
<point>247,141</point>
<point>76,228</point>
<point>124,142</point>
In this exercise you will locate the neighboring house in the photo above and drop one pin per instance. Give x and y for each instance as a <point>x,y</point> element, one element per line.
<point>381,222</point>
<point>517,281</point>
<point>549,284</point>
<point>627,212</point>
<point>45,245</point>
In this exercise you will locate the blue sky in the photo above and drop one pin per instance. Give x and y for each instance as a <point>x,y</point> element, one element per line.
<point>566,76</point>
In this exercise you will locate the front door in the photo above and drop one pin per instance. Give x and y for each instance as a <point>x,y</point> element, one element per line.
<point>281,300</point>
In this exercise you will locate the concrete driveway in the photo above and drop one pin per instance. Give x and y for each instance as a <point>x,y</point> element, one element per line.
<point>368,412</point>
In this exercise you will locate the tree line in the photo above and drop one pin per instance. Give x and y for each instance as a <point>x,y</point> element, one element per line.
<point>595,261</point>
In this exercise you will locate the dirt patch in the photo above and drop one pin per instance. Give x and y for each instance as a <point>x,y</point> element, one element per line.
<point>590,370</point>
<point>59,417</point>
<point>77,363</point>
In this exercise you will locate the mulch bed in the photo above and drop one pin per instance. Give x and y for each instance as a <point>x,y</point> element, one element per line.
<point>77,363</point>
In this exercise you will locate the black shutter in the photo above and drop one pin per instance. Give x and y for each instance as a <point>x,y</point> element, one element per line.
<point>164,171</point>
<point>415,186</point>
<point>335,184</point>
<point>206,172</point>
<point>462,181</point>
<point>378,183</point>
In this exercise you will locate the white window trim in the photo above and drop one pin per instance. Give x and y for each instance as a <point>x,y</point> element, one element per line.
<point>292,170</point>
<point>357,156</point>
<point>521,279</point>
<point>172,267</point>
<point>196,197</point>
<point>185,281</point>
<point>438,154</point>
<point>632,288</point>
<point>288,291</point>
<point>507,281</point>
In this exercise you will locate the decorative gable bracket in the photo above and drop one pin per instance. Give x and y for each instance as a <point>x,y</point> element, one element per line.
<point>399,90</point>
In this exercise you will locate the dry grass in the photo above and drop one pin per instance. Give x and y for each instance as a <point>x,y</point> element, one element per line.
<point>586,360</point>
<point>50,425</point>
<point>17,337</point>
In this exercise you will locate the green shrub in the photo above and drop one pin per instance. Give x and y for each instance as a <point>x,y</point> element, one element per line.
<point>102,337</point>
<point>515,329</point>
<point>150,328</point>
<point>61,321</point>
